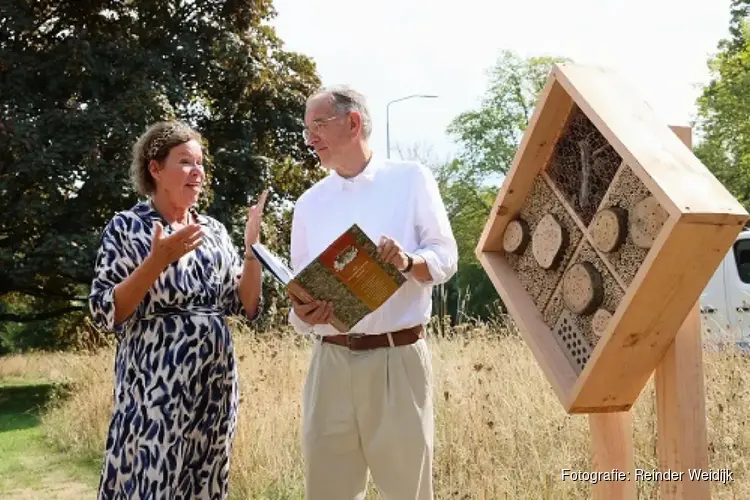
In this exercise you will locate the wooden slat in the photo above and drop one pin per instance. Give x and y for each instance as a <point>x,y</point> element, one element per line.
<point>716,240</point>
<point>656,306</point>
<point>535,332</point>
<point>550,115</point>
<point>668,168</point>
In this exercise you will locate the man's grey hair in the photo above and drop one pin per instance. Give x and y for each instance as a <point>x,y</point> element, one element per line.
<point>345,99</point>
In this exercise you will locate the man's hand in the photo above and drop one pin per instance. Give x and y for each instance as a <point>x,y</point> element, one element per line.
<point>391,252</point>
<point>316,312</point>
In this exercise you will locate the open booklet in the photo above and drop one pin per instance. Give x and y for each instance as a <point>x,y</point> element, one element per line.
<point>348,273</point>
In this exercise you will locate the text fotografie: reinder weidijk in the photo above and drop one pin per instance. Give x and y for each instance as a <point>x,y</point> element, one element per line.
<point>720,475</point>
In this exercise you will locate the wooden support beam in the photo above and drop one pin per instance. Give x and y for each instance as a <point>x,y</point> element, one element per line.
<point>682,441</point>
<point>612,449</point>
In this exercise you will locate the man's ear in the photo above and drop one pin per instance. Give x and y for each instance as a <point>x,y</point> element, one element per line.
<point>355,123</point>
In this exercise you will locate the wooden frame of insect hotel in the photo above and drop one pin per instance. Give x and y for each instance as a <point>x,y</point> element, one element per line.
<point>602,237</point>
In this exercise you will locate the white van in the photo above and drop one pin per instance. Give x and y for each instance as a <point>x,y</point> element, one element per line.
<point>725,302</point>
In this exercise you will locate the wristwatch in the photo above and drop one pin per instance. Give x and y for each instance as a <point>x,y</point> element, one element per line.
<point>409,263</point>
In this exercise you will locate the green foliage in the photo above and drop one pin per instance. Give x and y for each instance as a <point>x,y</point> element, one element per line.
<point>739,12</point>
<point>467,203</point>
<point>723,107</point>
<point>80,81</point>
<point>25,328</point>
<point>489,137</point>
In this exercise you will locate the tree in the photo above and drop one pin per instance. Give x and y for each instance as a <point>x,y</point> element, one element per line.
<point>488,138</point>
<point>739,11</point>
<point>723,107</point>
<point>446,296</point>
<point>80,81</point>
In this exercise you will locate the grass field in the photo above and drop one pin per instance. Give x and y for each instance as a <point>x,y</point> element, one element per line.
<point>29,469</point>
<point>501,433</point>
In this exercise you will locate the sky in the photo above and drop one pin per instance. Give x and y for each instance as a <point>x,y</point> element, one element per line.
<point>388,49</point>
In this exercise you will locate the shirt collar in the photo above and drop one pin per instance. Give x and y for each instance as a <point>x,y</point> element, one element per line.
<point>367,175</point>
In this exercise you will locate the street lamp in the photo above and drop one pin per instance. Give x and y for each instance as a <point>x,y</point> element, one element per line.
<point>388,116</point>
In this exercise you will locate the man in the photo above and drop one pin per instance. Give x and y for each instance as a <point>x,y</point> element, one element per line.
<point>367,401</point>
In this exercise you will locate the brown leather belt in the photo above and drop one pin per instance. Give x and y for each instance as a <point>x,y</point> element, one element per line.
<point>359,342</point>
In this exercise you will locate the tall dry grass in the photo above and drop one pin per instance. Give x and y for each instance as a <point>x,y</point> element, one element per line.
<point>501,433</point>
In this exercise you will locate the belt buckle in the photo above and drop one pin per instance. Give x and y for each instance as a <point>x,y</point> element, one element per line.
<point>353,336</point>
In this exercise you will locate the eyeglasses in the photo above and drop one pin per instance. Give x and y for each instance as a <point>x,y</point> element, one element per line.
<point>316,126</point>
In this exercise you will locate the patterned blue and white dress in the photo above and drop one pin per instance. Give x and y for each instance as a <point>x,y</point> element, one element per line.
<point>176,389</point>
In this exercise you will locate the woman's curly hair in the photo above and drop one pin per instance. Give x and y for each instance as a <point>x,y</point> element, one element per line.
<point>155,144</point>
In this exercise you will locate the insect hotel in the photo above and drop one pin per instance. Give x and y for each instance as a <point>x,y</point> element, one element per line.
<point>602,237</point>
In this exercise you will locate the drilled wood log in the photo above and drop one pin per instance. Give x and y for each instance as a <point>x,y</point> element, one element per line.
<point>516,237</point>
<point>609,228</point>
<point>549,241</point>
<point>583,288</point>
<point>646,221</point>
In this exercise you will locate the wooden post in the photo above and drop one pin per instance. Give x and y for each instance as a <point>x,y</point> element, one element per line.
<point>681,419</point>
<point>680,403</point>
<point>612,449</point>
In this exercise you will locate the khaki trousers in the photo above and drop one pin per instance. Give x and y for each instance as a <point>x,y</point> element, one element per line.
<point>368,410</point>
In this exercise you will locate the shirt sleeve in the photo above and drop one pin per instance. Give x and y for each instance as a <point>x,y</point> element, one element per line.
<point>115,261</point>
<point>230,301</point>
<point>437,245</point>
<point>298,258</point>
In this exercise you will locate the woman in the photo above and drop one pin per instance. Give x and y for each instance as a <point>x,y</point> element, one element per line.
<point>165,279</point>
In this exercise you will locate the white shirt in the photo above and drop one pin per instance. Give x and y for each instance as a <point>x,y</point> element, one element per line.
<point>397,198</point>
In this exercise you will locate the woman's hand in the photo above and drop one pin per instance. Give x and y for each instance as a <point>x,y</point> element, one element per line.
<point>129,293</point>
<point>165,250</point>
<point>249,287</point>
<point>254,218</point>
